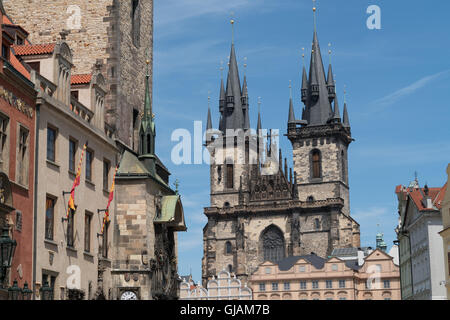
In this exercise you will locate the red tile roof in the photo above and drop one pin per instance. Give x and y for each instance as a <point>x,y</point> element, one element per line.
<point>29,50</point>
<point>19,66</point>
<point>81,79</point>
<point>417,196</point>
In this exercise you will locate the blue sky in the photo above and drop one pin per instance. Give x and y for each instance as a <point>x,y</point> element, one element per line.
<point>397,78</point>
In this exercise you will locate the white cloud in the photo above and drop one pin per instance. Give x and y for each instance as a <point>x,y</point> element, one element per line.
<point>409,90</point>
<point>175,11</point>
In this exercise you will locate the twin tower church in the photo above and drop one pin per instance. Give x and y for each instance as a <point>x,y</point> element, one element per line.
<point>257,214</point>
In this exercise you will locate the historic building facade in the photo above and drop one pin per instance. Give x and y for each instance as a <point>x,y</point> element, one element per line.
<point>120,33</point>
<point>17,151</point>
<point>225,287</point>
<point>148,215</point>
<point>314,278</point>
<point>259,209</point>
<point>420,246</point>
<point>67,244</point>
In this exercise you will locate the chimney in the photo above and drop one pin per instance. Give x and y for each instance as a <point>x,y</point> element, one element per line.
<point>360,257</point>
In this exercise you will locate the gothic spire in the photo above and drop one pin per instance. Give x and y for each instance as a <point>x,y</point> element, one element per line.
<point>291,107</point>
<point>346,120</point>
<point>147,132</point>
<point>337,115</point>
<point>209,120</point>
<point>259,126</point>
<point>245,104</point>
<point>317,103</point>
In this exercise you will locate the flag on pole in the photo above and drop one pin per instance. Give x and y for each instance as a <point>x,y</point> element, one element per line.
<point>111,197</point>
<point>76,183</point>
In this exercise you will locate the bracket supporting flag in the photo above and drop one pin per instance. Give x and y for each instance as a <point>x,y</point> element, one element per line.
<point>76,183</point>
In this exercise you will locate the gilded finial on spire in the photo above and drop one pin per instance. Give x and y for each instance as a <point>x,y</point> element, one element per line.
<point>345,93</point>
<point>329,51</point>
<point>232,21</point>
<point>259,104</point>
<point>314,12</point>
<point>245,65</point>
<point>209,99</point>
<point>221,69</point>
<point>290,88</point>
<point>303,55</point>
<point>147,60</point>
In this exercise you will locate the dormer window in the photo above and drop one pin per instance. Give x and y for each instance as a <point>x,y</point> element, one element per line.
<point>230,99</point>
<point>5,52</point>
<point>20,41</point>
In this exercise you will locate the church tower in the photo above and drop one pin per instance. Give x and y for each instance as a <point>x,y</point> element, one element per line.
<point>115,33</point>
<point>260,209</point>
<point>321,139</point>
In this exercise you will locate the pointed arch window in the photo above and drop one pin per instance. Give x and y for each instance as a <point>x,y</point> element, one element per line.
<point>148,144</point>
<point>273,244</point>
<point>230,176</point>
<point>316,162</point>
<point>135,22</point>
<point>343,165</point>
<point>228,247</point>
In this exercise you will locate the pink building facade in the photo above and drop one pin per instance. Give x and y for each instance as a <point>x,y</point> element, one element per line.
<point>314,278</point>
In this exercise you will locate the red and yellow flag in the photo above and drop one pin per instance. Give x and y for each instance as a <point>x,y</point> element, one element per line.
<point>111,197</point>
<point>76,183</point>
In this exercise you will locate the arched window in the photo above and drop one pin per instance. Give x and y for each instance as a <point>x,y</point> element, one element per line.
<point>316,164</point>
<point>135,22</point>
<point>228,247</point>
<point>148,144</point>
<point>343,165</point>
<point>230,268</point>
<point>310,199</point>
<point>273,244</point>
<point>317,223</point>
<point>230,173</point>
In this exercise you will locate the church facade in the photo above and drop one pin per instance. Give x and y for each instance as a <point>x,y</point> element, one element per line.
<point>261,211</point>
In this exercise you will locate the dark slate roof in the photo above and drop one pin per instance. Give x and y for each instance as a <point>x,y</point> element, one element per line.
<point>353,264</point>
<point>318,110</point>
<point>344,252</point>
<point>289,262</point>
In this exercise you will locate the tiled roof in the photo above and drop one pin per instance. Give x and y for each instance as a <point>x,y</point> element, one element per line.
<point>81,79</point>
<point>417,195</point>
<point>19,66</point>
<point>29,50</point>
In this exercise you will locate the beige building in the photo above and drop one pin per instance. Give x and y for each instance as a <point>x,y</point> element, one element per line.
<point>225,287</point>
<point>70,254</point>
<point>311,277</point>
<point>445,233</point>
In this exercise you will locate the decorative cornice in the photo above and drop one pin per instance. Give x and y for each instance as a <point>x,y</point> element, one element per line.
<point>308,132</point>
<point>275,206</point>
<point>16,102</point>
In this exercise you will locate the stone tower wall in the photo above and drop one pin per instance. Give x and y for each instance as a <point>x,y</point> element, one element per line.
<point>98,29</point>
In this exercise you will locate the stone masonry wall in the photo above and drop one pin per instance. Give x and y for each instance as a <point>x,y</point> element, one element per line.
<point>98,29</point>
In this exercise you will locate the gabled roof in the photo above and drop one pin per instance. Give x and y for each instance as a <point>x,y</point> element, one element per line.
<point>417,196</point>
<point>37,49</point>
<point>81,79</point>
